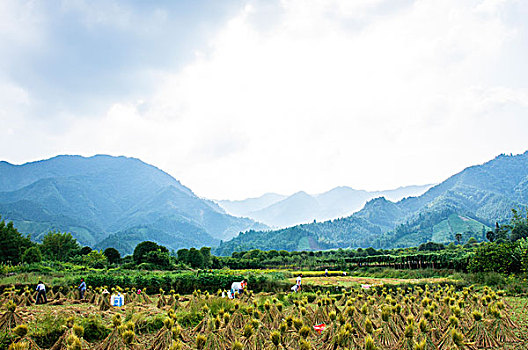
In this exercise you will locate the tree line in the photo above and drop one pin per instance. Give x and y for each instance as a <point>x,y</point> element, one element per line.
<point>506,251</point>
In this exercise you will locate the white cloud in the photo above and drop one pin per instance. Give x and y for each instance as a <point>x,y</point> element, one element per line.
<point>369,94</point>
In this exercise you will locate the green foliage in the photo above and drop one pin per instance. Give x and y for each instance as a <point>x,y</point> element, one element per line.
<point>50,328</point>
<point>112,255</point>
<point>94,328</point>
<point>12,242</point>
<point>95,259</point>
<point>496,257</point>
<point>59,246</point>
<point>189,317</point>
<point>142,250</point>
<point>6,338</point>
<point>195,258</point>
<point>32,255</point>
<point>519,222</point>
<point>206,254</point>
<point>149,323</point>
<point>85,250</point>
<point>431,247</point>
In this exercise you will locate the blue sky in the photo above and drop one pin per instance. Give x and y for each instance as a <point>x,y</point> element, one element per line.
<point>239,98</point>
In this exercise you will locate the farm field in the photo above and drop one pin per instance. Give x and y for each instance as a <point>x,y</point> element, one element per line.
<point>354,281</point>
<point>426,314</point>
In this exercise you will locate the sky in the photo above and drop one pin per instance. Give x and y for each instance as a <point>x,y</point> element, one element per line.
<point>238,98</point>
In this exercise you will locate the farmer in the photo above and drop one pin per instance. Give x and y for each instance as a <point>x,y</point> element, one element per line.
<point>41,296</point>
<point>238,287</point>
<point>299,282</point>
<point>326,272</point>
<point>82,288</point>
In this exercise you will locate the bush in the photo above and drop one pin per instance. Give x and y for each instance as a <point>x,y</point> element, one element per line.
<point>492,279</point>
<point>496,257</point>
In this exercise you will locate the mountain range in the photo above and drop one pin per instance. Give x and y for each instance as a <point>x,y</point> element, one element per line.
<point>279,211</point>
<point>107,201</point>
<point>469,203</point>
<point>111,201</point>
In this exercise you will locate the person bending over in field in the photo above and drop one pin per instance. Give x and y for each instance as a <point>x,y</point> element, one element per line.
<point>41,296</point>
<point>299,283</point>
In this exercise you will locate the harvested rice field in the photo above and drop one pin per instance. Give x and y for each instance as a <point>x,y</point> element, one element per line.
<point>434,316</point>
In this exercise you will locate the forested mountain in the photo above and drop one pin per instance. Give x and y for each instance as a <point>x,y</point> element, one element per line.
<point>468,203</point>
<point>280,211</point>
<point>111,201</point>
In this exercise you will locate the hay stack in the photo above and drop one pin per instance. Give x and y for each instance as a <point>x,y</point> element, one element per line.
<point>10,319</point>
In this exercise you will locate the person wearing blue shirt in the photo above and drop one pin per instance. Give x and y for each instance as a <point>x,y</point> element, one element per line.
<point>82,288</point>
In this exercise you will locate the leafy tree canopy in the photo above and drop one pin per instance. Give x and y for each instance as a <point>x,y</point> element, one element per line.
<point>13,244</point>
<point>143,248</point>
<point>112,255</point>
<point>59,246</point>
<point>32,255</point>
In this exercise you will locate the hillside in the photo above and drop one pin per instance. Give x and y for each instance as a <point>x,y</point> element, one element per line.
<point>111,201</point>
<point>468,203</point>
<point>284,211</point>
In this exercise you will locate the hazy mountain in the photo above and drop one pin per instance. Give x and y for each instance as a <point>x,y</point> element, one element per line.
<point>468,203</point>
<point>102,195</point>
<point>281,211</point>
<point>245,206</point>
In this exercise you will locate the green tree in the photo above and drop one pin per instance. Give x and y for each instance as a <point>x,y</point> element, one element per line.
<point>183,255</point>
<point>160,259</point>
<point>502,233</point>
<point>496,257</point>
<point>59,246</point>
<point>143,248</point>
<point>490,236</point>
<point>95,259</point>
<point>112,255</point>
<point>519,223</point>
<point>12,243</point>
<point>32,255</point>
<point>206,253</point>
<point>472,241</point>
<point>196,259</point>
<point>85,250</point>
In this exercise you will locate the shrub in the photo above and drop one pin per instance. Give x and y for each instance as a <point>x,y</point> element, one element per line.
<point>496,257</point>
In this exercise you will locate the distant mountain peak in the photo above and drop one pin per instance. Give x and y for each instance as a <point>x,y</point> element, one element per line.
<point>104,196</point>
<point>469,202</point>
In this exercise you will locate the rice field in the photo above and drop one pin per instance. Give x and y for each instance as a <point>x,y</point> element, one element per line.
<point>430,316</point>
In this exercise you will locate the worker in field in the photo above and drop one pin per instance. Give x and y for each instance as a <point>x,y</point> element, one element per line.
<point>82,288</point>
<point>326,272</point>
<point>238,287</point>
<point>41,295</point>
<point>299,282</point>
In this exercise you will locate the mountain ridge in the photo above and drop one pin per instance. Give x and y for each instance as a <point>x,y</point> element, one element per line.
<point>95,197</point>
<point>300,207</point>
<point>468,202</point>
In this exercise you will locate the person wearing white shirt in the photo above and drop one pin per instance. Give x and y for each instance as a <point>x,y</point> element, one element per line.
<point>299,282</point>
<point>41,296</point>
